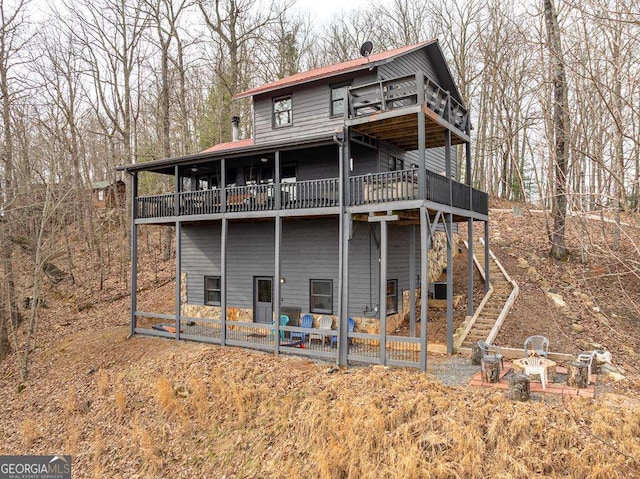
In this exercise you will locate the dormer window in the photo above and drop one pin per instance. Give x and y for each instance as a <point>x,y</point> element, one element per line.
<point>282,111</point>
<point>337,98</point>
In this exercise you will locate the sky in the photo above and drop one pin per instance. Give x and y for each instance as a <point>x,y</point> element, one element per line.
<point>323,10</point>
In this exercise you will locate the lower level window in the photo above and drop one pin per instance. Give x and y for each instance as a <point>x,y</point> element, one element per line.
<point>392,296</point>
<point>212,290</point>
<point>321,296</point>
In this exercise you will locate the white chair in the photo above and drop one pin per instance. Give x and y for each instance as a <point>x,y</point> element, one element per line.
<point>326,324</point>
<point>537,344</point>
<point>536,365</point>
<point>586,358</point>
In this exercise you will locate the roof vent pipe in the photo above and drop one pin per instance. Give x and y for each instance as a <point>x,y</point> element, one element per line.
<point>235,121</point>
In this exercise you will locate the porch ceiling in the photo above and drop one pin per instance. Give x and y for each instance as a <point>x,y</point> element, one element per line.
<point>401,129</point>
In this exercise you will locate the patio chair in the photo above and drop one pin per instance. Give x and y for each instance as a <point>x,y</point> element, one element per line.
<point>538,345</point>
<point>284,320</point>
<point>326,324</point>
<point>535,365</point>
<point>305,322</point>
<point>587,358</point>
<point>490,351</point>
<point>352,324</point>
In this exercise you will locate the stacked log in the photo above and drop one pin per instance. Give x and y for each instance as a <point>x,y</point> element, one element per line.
<point>577,374</point>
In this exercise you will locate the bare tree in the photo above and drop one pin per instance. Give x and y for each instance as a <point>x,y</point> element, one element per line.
<point>12,41</point>
<point>561,126</point>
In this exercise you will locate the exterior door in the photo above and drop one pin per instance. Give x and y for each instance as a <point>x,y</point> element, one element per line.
<point>263,299</point>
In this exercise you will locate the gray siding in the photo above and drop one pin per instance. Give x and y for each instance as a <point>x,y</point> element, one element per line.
<point>365,160</point>
<point>310,109</point>
<point>314,163</point>
<point>309,251</point>
<point>408,65</point>
<point>434,158</point>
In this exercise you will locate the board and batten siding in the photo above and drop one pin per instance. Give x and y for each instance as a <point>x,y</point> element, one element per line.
<point>309,251</point>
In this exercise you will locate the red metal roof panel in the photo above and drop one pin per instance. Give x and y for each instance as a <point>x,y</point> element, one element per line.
<point>331,70</point>
<point>230,145</point>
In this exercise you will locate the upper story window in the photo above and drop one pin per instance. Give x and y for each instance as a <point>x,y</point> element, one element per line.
<point>337,98</point>
<point>282,111</point>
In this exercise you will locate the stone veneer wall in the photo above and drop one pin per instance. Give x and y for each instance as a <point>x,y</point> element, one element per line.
<point>437,262</point>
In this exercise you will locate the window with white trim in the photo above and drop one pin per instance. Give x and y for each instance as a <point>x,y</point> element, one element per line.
<point>282,111</point>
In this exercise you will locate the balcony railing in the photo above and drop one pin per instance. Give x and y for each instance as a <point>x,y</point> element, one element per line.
<point>375,188</point>
<point>404,91</point>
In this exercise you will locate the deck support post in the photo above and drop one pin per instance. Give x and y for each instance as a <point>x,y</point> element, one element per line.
<point>470,267</point>
<point>223,186</point>
<point>467,150</point>
<point>412,281</point>
<point>343,319</point>
<point>178,275</point>
<point>487,276</point>
<point>134,251</point>
<point>424,284</point>
<point>343,256</point>
<point>449,232</point>
<point>276,282</point>
<point>224,229</point>
<point>422,165</point>
<point>449,283</point>
<point>276,187</point>
<point>382,308</point>
<point>176,192</point>
<point>382,298</point>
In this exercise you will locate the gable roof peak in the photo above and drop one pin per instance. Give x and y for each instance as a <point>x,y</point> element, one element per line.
<point>328,71</point>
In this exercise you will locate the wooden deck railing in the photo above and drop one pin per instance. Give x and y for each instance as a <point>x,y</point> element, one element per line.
<point>405,91</point>
<point>374,188</point>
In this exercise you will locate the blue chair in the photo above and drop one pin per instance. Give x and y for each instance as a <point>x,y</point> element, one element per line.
<point>284,320</point>
<point>352,325</point>
<point>305,322</point>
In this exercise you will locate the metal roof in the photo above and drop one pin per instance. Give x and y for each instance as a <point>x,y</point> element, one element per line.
<point>332,70</point>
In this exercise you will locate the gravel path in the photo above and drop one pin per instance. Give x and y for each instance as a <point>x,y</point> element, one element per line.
<point>452,371</point>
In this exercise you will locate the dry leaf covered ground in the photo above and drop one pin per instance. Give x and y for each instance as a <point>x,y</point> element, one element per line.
<point>148,407</point>
<point>158,408</point>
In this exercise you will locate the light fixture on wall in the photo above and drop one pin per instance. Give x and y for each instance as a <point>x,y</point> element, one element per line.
<point>194,169</point>
<point>264,160</point>
<point>283,280</point>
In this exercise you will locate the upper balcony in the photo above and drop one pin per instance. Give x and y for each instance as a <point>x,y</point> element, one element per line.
<point>388,110</point>
<point>315,196</point>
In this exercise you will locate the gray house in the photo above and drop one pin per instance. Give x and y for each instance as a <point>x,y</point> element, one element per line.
<point>335,216</point>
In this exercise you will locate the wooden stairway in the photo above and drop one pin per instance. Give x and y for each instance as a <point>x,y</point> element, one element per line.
<point>490,314</point>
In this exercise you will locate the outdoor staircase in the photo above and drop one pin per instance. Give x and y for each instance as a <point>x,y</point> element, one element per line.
<point>485,324</point>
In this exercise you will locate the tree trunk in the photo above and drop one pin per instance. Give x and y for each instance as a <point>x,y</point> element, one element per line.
<point>560,126</point>
<point>519,387</point>
<point>577,374</point>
